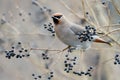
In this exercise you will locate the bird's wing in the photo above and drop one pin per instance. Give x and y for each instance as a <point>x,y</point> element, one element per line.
<point>76,28</point>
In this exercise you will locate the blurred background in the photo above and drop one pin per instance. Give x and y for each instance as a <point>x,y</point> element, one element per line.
<point>29,22</point>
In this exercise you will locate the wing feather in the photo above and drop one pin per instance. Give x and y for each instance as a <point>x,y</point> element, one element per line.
<point>77,28</point>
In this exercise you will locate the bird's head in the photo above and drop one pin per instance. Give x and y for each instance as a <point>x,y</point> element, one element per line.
<point>57,18</point>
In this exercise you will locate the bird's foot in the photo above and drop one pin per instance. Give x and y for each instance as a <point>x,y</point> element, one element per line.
<point>66,48</point>
<point>71,49</point>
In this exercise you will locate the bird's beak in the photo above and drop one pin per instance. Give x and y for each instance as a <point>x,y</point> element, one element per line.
<point>52,17</point>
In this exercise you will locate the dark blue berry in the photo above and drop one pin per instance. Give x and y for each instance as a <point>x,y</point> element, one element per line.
<point>82,72</point>
<point>39,76</point>
<point>115,63</point>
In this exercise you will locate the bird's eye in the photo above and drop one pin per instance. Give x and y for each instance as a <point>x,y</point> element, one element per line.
<point>58,16</point>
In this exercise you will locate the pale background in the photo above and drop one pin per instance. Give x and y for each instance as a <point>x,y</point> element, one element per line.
<point>32,34</point>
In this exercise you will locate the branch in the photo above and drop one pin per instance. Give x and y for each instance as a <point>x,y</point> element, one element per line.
<point>116,7</point>
<point>112,31</point>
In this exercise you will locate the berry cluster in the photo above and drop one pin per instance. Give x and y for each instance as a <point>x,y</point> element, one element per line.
<point>50,76</point>
<point>69,63</point>
<point>49,27</point>
<point>117,59</point>
<point>84,73</point>
<point>87,34</point>
<point>38,77</point>
<point>17,52</point>
<point>20,14</point>
<point>23,19</point>
<point>45,55</point>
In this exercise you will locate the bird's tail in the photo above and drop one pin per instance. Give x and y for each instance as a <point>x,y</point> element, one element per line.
<point>99,40</point>
<point>109,43</point>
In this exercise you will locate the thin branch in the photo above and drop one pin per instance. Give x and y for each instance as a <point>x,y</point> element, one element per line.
<point>112,31</point>
<point>107,61</point>
<point>43,49</point>
<point>12,26</point>
<point>109,16</point>
<point>83,6</point>
<point>118,11</point>
<point>91,10</point>
<point>118,38</point>
<point>112,25</point>
<point>70,9</point>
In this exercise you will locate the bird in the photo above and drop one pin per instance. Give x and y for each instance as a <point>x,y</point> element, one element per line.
<point>75,35</point>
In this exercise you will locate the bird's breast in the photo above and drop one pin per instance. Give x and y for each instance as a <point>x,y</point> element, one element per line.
<point>67,36</point>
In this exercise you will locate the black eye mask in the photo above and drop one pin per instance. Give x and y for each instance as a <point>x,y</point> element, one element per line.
<point>58,17</point>
<point>55,20</point>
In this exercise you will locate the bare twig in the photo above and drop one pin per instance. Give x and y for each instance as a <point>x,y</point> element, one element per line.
<point>44,49</point>
<point>91,10</point>
<point>83,5</point>
<point>118,11</point>
<point>112,25</point>
<point>109,16</point>
<point>118,29</point>
<point>62,2</point>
